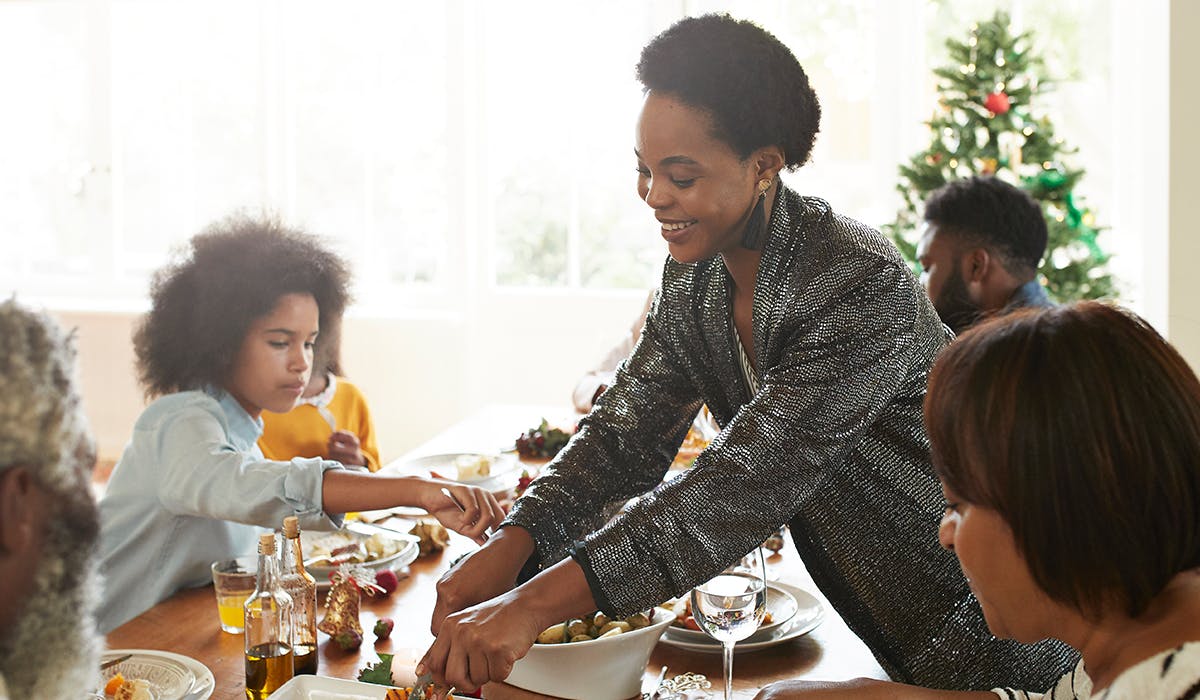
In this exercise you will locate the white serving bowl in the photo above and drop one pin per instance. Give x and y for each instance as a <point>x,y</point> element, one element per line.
<point>602,669</point>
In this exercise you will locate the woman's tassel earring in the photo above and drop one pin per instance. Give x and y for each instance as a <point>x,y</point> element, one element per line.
<point>756,225</point>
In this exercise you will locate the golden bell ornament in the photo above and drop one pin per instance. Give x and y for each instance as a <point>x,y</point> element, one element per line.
<point>341,606</point>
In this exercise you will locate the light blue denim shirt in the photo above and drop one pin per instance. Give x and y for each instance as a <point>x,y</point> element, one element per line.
<point>190,488</point>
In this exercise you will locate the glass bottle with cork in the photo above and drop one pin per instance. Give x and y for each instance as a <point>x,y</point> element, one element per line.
<point>268,626</point>
<point>303,589</point>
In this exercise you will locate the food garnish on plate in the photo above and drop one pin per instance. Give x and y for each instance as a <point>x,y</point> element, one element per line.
<point>380,673</point>
<point>121,688</point>
<point>543,441</point>
<point>473,467</point>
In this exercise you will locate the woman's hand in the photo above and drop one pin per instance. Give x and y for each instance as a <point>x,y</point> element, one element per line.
<point>481,644</point>
<point>344,447</point>
<point>469,510</point>
<point>483,574</point>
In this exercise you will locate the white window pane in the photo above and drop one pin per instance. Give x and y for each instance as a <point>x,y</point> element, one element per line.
<point>46,171</point>
<point>187,121</point>
<point>561,107</point>
<point>366,101</point>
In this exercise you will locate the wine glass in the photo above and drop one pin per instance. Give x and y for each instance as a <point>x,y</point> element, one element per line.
<point>730,606</point>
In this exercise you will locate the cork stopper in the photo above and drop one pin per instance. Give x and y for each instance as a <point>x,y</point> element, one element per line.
<point>266,543</point>
<point>291,527</point>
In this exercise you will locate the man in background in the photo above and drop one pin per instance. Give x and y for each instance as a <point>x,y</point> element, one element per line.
<point>49,522</point>
<point>980,251</point>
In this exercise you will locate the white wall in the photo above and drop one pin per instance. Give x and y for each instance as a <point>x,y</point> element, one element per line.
<point>419,374</point>
<point>1182,261</point>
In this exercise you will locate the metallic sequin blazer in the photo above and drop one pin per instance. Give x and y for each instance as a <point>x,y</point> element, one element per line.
<point>831,444</point>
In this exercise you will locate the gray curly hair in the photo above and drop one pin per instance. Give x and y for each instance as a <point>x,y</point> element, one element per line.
<point>42,428</point>
<point>41,413</point>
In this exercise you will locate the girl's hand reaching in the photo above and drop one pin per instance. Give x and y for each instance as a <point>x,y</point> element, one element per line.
<point>469,510</point>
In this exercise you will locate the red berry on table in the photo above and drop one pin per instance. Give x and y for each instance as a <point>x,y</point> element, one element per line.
<point>348,640</point>
<point>383,627</point>
<point>387,580</point>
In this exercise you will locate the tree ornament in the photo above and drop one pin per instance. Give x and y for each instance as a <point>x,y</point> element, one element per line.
<point>342,604</point>
<point>987,166</point>
<point>997,103</point>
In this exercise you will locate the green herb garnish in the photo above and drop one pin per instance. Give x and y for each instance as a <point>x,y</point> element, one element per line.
<point>379,672</point>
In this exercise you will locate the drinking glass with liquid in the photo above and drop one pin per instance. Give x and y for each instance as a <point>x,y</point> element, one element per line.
<point>268,633</point>
<point>730,606</point>
<point>233,582</point>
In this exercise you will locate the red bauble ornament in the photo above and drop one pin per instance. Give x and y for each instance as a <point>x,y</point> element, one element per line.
<point>997,103</point>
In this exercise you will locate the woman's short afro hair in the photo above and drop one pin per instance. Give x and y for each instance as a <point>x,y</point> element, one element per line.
<point>743,77</point>
<point>233,273</point>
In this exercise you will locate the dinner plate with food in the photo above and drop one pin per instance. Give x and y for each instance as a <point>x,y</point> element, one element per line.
<point>149,674</point>
<point>376,549</point>
<point>494,472</point>
<point>809,612</point>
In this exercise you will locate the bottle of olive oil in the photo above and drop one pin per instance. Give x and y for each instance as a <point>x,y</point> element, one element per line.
<point>303,588</point>
<point>268,626</point>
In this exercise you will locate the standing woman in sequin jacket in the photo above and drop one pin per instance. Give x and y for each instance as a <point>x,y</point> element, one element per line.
<point>810,341</point>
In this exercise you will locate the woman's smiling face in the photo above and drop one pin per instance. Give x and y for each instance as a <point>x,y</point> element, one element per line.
<point>700,190</point>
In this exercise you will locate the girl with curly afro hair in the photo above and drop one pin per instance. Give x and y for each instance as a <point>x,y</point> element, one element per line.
<point>809,340</point>
<point>230,334</point>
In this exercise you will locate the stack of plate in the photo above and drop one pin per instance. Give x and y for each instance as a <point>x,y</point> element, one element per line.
<point>794,612</point>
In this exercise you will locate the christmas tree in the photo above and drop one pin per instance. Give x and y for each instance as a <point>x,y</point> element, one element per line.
<point>986,125</point>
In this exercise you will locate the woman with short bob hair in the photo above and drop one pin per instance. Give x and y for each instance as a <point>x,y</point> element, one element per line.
<point>1067,442</point>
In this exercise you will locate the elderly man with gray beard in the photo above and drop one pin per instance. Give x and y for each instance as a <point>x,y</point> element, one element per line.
<point>49,522</point>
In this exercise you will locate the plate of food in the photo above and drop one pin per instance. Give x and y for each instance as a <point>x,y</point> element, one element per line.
<point>321,688</point>
<point>325,551</point>
<point>781,608</point>
<point>145,674</point>
<point>492,472</point>
<point>810,612</point>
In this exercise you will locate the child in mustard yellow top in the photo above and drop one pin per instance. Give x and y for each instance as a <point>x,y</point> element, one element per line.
<point>331,420</point>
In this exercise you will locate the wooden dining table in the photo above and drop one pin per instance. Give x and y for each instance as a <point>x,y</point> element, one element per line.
<point>187,622</point>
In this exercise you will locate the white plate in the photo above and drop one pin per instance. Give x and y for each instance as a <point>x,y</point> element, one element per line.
<point>178,677</point>
<point>322,688</point>
<point>403,557</point>
<point>810,613</point>
<point>781,604</point>
<point>504,473</point>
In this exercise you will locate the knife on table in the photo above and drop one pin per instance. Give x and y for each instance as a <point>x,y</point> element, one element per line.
<point>422,684</point>
<point>369,529</point>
